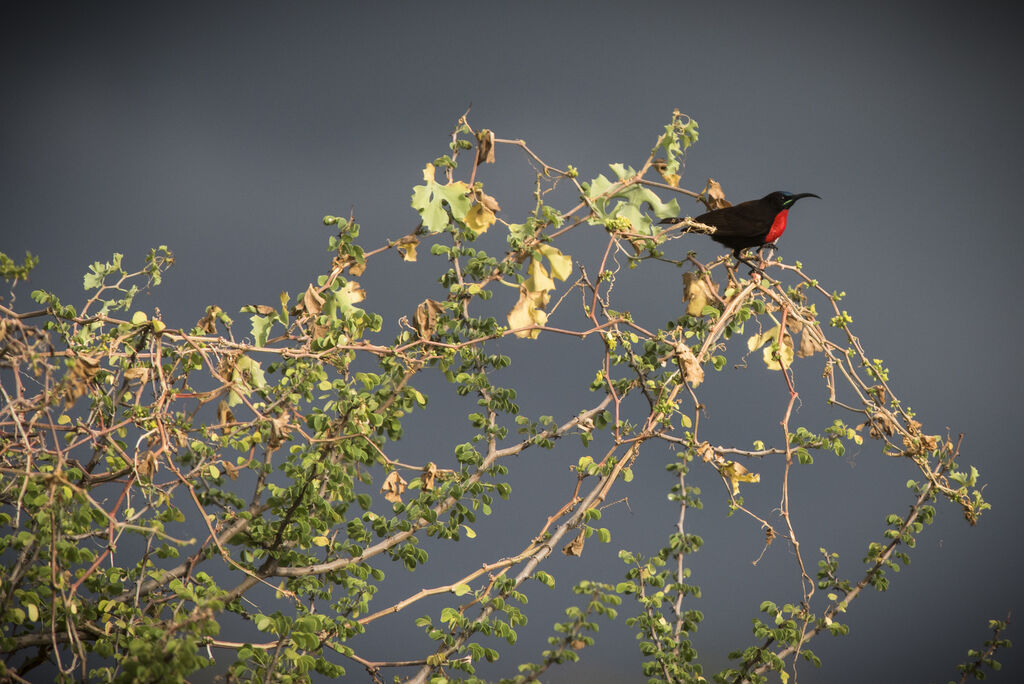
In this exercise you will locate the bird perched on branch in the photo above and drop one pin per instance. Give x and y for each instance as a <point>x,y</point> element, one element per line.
<point>757,223</point>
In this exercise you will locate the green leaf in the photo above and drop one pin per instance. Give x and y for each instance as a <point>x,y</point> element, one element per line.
<point>261,326</point>
<point>430,199</point>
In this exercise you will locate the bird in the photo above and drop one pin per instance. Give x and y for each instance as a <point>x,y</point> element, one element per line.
<point>755,223</point>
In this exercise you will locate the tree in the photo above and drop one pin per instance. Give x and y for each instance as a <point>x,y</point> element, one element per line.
<point>156,478</point>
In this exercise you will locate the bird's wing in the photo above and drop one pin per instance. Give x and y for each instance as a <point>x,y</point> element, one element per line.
<point>744,220</point>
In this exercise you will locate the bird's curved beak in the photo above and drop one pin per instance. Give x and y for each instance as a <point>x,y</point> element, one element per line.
<point>803,194</point>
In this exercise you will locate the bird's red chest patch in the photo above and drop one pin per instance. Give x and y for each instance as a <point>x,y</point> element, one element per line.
<point>778,227</point>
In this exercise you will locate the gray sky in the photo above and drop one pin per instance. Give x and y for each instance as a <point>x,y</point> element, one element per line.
<point>227,132</point>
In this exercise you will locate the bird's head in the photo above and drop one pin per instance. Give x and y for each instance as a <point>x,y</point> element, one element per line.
<point>784,200</point>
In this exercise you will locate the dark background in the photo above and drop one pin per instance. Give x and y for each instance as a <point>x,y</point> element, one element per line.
<point>228,131</point>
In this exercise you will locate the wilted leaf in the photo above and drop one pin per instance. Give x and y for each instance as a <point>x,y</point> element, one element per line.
<point>147,465</point>
<point>539,280</point>
<point>407,247</point>
<point>81,374</point>
<point>485,147</point>
<point>426,318</point>
<point>528,311</point>
<point>312,301</point>
<point>208,323</point>
<point>784,359</point>
<point>561,264</point>
<point>736,474</point>
<point>693,373</point>
<point>429,476</point>
<point>706,452</point>
<point>488,202</point>
<point>224,414</point>
<point>137,373</point>
<point>714,196</point>
<point>785,353</point>
<point>696,293</point>
<point>279,429</point>
<point>880,424</point>
<point>355,268</point>
<point>393,487</point>
<point>352,292</point>
<point>661,166</point>
<point>479,218</point>
<point>809,345</point>
<point>575,547</point>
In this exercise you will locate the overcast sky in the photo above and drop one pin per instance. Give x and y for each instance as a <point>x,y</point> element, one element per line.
<point>227,131</point>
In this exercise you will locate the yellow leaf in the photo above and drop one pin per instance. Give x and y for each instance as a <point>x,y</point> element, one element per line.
<point>33,612</point>
<point>528,311</point>
<point>757,341</point>
<point>539,280</point>
<point>321,540</point>
<point>353,292</point>
<point>737,473</point>
<point>561,264</point>
<point>407,248</point>
<point>479,218</point>
<point>785,354</point>
<point>696,293</point>
<point>786,351</point>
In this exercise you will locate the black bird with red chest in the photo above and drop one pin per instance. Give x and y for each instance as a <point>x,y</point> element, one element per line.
<point>757,223</point>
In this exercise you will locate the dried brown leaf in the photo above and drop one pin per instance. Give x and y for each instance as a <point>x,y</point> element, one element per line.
<point>809,345</point>
<point>224,415</point>
<point>575,547</point>
<point>137,373</point>
<point>485,147</point>
<point>714,196</point>
<point>693,373</point>
<point>425,319</point>
<point>393,487</point>
<point>429,476</point>
<point>208,323</point>
<point>312,301</point>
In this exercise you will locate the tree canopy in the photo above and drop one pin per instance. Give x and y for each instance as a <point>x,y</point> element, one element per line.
<point>229,494</point>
